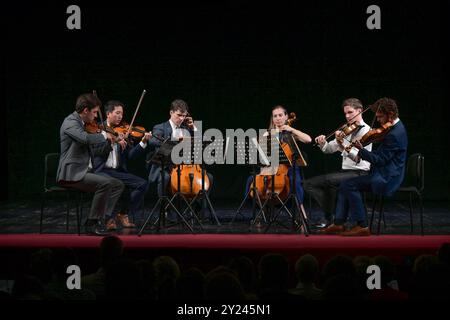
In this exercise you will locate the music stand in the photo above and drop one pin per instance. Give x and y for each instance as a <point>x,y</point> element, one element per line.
<point>180,197</point>
<point>161,158</point>
<point>245,152</point>
<point>202,195</point>
<point>297,160</point>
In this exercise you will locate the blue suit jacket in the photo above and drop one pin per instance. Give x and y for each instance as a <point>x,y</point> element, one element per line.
<point>388,161</point>
<point>103,150</point>
<point>163,131</point>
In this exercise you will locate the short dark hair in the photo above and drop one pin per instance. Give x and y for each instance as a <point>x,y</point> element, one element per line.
<point>87,100</point>
<point>352,102</point>
<point>179,105</point>
<point>386,106</point>
<point>111,104</point>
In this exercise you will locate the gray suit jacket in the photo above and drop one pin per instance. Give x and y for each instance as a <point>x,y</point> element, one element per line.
<point>75,149</point>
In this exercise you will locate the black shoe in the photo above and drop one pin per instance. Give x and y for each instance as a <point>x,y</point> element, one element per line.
<point>96,230</point>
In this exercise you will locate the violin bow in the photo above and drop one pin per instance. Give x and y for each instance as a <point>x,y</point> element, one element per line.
<point>94,92</point>
<point>340,127</point>
<point>136,111</point>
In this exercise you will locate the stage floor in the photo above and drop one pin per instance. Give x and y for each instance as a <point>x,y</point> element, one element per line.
<point>23,217</point>
<point>19,235</point>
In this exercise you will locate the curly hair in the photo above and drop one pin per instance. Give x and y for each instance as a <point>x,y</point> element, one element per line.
<point>386,106</point>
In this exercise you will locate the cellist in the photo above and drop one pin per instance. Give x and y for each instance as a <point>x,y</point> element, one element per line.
<point>278,121</point>
<point>173,129</point>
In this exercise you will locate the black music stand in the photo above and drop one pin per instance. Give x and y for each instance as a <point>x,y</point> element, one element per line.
<point>202,195</point>
<point>244,151</point>
<point>274,198</point>
<point>163,158</point>
<point>179,197</point>
<point>297,159</point>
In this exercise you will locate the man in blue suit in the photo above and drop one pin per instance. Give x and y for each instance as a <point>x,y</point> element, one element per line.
<point>112,161</point>
<point>173,129</point>
<point>385,177</point>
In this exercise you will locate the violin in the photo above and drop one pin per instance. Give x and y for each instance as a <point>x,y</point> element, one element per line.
<point>281,182</point>
<point>136,132</point>
<point>93,127</point>
<point>373,135</point>
<point>347,128</point>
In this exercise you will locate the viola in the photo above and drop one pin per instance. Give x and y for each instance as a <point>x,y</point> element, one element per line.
<point>373,135</point>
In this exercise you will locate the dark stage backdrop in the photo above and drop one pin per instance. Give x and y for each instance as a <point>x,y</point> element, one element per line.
<point>232,61</point>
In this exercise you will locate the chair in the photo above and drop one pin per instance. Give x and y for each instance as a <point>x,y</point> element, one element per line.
<point>413,184</point>
<point>50,187</point>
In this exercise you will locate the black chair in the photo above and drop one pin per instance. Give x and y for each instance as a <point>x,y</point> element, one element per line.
<point>413,184</point>
<point>51,187</point>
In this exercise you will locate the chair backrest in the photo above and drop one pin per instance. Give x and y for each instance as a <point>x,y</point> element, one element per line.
<point>415,175</point>
<point>50,168</point>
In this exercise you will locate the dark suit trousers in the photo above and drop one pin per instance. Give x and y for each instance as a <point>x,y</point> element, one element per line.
<point>107,191</point>
<point>324,188</point>
<point>350,204</point>
<point>137,186</point>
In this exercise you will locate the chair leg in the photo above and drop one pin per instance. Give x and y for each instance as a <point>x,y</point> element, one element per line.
<point>310,205</point>
<point>42,212</point>
<point>380,216</point>
<point>411,211</point>
<point>78,214</point>
<point>421,214</point>
<point>67,212</point>
<point>374,206</point>
<point>80,218</point>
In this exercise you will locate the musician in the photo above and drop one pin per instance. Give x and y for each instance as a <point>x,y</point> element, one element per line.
<point>113,162</point>
<point>75,163</point>
<point>278,122</point>
<point>385,176</point>
<point>174,130</point>
<point>324,188</point>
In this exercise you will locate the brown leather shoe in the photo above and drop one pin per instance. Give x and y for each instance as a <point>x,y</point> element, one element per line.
<point>111,225</point>
<point>124,221</point>
<point>332,229</point>
<point>357,231</point>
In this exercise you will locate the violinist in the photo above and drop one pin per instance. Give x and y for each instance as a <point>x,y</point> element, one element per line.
<point>278,121</point>
<point>75,163</point>
<point>386,172</point>
<point>324,188</point>
<point>178,125</point>
<point>113,162</point>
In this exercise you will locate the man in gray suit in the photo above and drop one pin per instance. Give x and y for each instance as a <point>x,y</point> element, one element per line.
<point>75,164</point>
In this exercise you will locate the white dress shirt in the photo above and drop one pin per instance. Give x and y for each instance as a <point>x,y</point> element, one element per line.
<point>178,132</point>
<point>113,158</point>
<point>347,163</point>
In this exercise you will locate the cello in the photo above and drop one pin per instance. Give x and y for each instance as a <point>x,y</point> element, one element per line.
<point>190,176</point>
<point>279,173</point>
